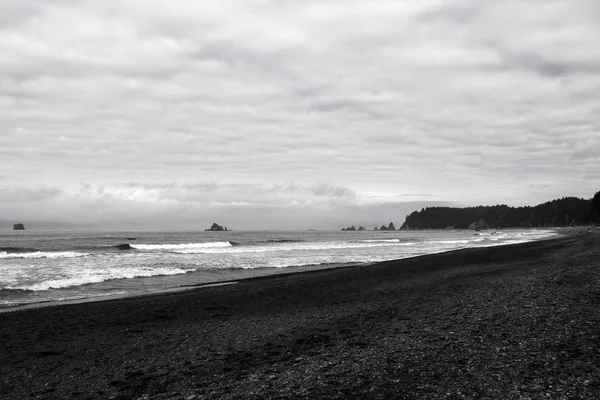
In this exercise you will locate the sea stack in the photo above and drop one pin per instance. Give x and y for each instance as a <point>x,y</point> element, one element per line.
<point>216,227</point>
<point>18,227</point>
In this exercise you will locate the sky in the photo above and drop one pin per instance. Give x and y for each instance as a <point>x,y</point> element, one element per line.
<point>289,114</point>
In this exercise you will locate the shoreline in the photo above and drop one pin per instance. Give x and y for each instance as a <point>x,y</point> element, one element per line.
<point>275,272</point>
<point>184,287</point>
<point>515,321</point>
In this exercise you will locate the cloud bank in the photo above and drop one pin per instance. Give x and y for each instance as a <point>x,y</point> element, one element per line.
<point>293,114</point>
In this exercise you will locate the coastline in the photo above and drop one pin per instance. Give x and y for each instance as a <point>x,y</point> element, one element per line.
<point>510,321</point>
<point>242,275</point>
<point>234,275</point>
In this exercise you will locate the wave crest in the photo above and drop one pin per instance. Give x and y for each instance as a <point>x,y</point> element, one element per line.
<point>181,246</point>
<point>112,274</point>
<point>296,246</point>
<point>43,254</point>
<point>381,241</point>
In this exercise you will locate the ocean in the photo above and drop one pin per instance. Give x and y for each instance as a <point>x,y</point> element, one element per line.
<point>41,266</point>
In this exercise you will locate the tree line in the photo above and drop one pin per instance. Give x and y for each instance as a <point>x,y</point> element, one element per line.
<point>567,211</point>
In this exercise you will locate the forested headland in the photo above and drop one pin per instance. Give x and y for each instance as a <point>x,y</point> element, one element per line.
<point>568,211</point>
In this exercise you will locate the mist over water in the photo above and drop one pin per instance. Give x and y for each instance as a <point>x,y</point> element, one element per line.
<point>53,266</point>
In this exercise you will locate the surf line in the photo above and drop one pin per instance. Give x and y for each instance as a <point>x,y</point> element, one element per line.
<point>203,285</point>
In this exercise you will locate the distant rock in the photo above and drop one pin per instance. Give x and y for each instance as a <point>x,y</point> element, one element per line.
<point>390,227</point>
<point>216,227</point>
<point>353,228</point>
<point>18,227</point>
<point>478,226</point>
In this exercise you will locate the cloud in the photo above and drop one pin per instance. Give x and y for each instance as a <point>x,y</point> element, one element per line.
<point>194,206</point>
<point>319,105</point>
<point>20,194</point>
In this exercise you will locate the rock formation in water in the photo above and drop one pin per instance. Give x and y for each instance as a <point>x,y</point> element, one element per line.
<point>391,227</point>
<point>350,228</point>
<point>376,229</point>
<point>383,228</point>
<point>362,228</point>
<point>216,227</point>
<point>18,227</point>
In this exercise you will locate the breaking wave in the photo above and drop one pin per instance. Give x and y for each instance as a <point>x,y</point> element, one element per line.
<point>462,241</point>
<point>43,254</point>
<point>182,246</point>
<point>92,277</point>
<point>292,246</point>
<point>381,241</point>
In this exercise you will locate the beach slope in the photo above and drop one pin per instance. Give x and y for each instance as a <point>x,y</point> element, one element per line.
<point>511,322</point>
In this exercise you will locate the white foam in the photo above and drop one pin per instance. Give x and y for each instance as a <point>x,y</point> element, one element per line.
<point>291,247</point>
<point>326,260</point>
<point>96,276</point>
<point>181,246</point>
<point>42,254</point>
<point>451,241</point>
<point>57,270</point>
<point>217,284</point>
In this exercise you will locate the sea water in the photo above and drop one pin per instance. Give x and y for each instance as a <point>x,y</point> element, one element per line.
<point>37,267</point>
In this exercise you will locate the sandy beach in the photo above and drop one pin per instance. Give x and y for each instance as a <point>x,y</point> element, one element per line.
<point>511,322</point>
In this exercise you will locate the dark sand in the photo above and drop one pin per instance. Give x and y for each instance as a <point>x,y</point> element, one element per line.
<point>520,321</point>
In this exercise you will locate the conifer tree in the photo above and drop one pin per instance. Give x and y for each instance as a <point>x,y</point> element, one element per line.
<point>595,207</point>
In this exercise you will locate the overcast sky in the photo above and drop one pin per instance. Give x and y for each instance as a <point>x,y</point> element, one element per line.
<point>292,114</point>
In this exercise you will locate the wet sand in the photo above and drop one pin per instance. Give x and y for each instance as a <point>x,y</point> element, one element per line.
<point>511,322</point>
